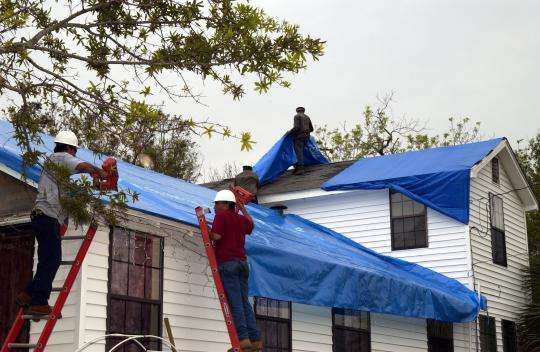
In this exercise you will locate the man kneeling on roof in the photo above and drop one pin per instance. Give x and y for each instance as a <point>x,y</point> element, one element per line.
<point>46,218</point>
<point>229,231</point>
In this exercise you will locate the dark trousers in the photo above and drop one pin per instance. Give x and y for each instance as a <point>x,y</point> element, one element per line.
<point>300,143</point>
<point>47,231</point>
<point>234,276</point>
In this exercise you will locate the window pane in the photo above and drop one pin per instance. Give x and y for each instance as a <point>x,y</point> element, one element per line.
<point>120,245</point>
<point>488,339</point>
<point>152,287</point>
<point>418,208</point>
<point>284,311</point>
<point>420,223</point>
<point>421,238</point>
<point>133,318</point>
<point>138,249</point>
<point>136,281</point>
<point>397,225</point>
<point>398,241</point>
<point>261,306</point>
<point>117,310</point>
<point>396,197</point>
<point>153,248</point>
<point>119,277</point>
<point>409,240</point>
<point>408,208</point>
<point>408,224</point>
<point>495,171</point>
<point>509,336</point>
<point>397,209</point>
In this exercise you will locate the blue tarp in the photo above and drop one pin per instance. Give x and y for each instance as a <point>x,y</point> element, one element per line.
<point>282,156</point>
<point>438,178</point>
<point>294,259</point>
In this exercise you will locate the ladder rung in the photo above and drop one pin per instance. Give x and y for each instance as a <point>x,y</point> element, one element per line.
<point>36,317</point>
<point>22,345</point>
<point>67,238</point>
<point>67,262</point>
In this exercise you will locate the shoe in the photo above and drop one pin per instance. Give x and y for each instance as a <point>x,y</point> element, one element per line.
<point>23,299</point>
<point>257,346</point>
<point>245,346</point>
<point>40,311</point>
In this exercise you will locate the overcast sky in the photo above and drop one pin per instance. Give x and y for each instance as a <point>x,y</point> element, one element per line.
<point>442,58</point>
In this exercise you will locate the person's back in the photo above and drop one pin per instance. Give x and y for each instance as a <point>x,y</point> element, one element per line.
<point>248,180</point>
<point>300,132</point>
<point>233,229</point>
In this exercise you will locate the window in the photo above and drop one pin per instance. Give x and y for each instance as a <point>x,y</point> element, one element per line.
<point>274,320</point>
<point>509,336</point>
<point>498,238</point>
<point>440,336</point>
<point>408,222</point>
<point>488,334</point>
<point>135,287</point>
<point>495,170</point>
<point>350,331</point>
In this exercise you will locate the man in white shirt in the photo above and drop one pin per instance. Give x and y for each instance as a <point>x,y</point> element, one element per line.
<point>46,217</point>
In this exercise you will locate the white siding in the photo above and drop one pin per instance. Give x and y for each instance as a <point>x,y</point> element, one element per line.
<point>311,328</point>
<point>364,216</point>
<point>501,286</point>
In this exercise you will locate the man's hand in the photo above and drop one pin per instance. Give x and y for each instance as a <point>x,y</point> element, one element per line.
<point>91,169</point>
<point>215,236</point>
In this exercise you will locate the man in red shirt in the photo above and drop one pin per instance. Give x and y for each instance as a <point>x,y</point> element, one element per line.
<point>229,231</point>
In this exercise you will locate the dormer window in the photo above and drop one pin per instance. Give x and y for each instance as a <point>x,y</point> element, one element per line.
<point>495,170</point>
<point>409,220</point>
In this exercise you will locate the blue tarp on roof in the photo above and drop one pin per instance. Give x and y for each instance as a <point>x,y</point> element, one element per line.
<point>294,259</point>
<point>438,178</point>
<point>282,156</point>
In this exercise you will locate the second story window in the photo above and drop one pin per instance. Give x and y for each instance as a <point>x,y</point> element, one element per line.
<point>440,336</point>
<point>409,221</point>
<point>350,331</point>
<point>495,170</point>
<point>274,319</point>
<point>498,237</point>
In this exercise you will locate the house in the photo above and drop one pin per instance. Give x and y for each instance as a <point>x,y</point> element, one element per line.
<point>484,246</point>
<point>309,281</point>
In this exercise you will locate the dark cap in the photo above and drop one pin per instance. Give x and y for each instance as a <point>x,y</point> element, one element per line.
<point>247,167</point>
<point>300,109</point>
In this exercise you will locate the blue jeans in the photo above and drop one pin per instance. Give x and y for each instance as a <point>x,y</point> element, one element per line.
<point>234,276</point>
<point>47,231</point>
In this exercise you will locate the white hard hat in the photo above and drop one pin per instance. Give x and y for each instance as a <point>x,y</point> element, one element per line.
<point>67,137</point>
<point>225,196</point>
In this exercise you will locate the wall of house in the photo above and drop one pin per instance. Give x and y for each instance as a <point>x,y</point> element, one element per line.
<point>501,285</point>
<point>364,216</point>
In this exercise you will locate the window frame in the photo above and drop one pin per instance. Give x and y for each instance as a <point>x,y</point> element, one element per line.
<point>430,337</point>
<point>496,170</point>
<point>288,320</point>
<point>497,234</point>
<point>392,217</point>
<point>505,323</point>
<point>348,328</point>
<point>484,337</point>
<point>126,298</point>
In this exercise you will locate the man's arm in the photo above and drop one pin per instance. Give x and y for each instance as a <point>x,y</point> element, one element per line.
<point>246,214</point>
<point>217,226</point>
<point>310,125</point>
<point>88,168</point>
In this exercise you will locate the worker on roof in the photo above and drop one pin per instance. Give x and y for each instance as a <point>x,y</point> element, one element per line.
<point>249,181</point>
<point>300,132</point>
<point>229,231</point>
<point>46,218</point>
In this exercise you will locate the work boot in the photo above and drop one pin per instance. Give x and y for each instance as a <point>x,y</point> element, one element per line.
<point>245,346</point>
<point>40,311</point>
<point>257,346</point>
<point>23,299</point>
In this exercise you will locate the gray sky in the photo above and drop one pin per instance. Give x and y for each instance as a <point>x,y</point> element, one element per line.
<point>442,58</point>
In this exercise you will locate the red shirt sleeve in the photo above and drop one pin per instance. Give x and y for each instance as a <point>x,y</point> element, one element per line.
<point>248,225</point>
<point>218,226</point>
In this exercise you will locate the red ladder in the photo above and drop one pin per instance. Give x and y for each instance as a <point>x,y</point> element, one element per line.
<point>9,345</point>
<point>231,328</point>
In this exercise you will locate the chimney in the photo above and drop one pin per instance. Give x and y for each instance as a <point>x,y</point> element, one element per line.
<point>279,208</point>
